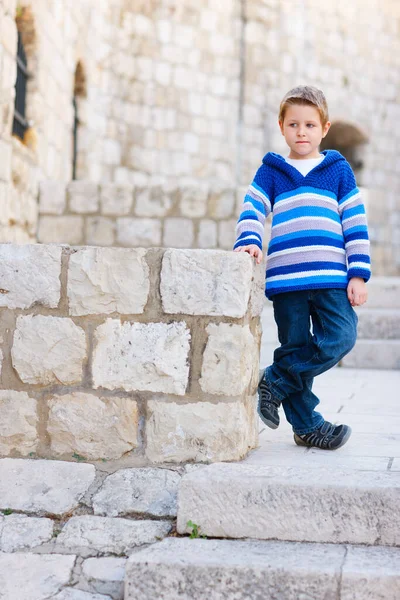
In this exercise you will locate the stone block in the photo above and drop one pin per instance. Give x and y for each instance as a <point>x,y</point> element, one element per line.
<point>60,230</point>
<point>193,200</point>
<point>231,350</point>
<point>48,350</point>
<point>99,231</point>
<point>75,594</point>
<point>29,274</point>
<point>371,574</point>
<point>215,569</point>
<point>221,203</point>
<point>19,532</point>
<point>206,282</point>
<point>384,292</point>
<point>34,576</point>
<point>226,234</point>
<point>115,200</point>
<point>292,504</point>
<point>178,233</point>
<point>110,535</point>
<point>138,232</point>
<point>145,491</point>
<point>142,356</point>
<point>107,280</point>
<point>106,575</point>
<point>18,423</point>
<point>154,201</point>
<point>207,235</point>
<point>373,354</point>
<point>5,161</point>
<point>378,324</point>
<point>52,197</point>
<point>92,427</point>
<point>199,432</point>
<point>83,197</point>
<point>43,486</point>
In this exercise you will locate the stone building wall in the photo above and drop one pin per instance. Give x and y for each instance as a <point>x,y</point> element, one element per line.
<point>111,352</point>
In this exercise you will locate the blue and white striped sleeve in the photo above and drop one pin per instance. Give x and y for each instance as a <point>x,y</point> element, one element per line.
<point>354,226</point>
<point>256,208</point>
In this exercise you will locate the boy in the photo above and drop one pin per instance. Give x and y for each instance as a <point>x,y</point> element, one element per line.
<point>318,264</point>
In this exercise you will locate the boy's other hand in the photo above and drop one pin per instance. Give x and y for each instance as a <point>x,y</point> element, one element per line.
<point>253,250</point>
<point>357,291</point>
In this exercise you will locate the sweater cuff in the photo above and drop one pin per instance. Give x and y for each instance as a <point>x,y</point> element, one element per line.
<point>358,272</point>
<point>253,242</point>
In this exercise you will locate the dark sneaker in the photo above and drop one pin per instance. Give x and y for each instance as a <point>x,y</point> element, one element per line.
<point>267,405</point>
<point>327,437</point>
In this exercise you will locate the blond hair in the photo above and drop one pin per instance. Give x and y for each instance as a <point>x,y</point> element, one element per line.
<point>305,94</point>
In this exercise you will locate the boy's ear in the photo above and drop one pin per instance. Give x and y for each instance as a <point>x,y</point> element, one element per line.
<point>280,123</point>
<point>326,128</point>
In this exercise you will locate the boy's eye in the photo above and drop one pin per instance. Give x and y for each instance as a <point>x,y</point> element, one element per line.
<point>310,125</point>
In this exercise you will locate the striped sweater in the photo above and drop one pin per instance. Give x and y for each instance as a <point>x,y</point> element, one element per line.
<point>319,235</point>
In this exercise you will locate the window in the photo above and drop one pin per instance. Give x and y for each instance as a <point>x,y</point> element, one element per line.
<point>20,124</point>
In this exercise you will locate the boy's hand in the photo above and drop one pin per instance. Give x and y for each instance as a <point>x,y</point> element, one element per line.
<point>253,250</point>
<point>357,291</point>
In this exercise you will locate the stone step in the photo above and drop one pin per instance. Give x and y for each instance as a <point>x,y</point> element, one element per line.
<point>373,354</point>
<point>374,324</point>
<point>384,292</point>
<point>214,569</point>
<point>292,504</point>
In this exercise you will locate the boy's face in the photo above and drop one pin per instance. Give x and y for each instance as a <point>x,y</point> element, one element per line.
<point>303,131</point>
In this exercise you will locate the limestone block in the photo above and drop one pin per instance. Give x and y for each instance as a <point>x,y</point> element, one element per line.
<point>92,427</point>
<point>221,203</point>
<point>200,432</point>
<point>99,231</point>
<point>52,197</point>
<point>115,200</point>
<point>226,234</point>
<point>18,423</point>
<point>380,324</point>
<point>34,576</point>
<point>178,233</point>
<point>43,486</point>
<point>154,201</point>
<point>83,197</point>
<point>257,295</point>
<point>48,350</point>
<point>373,354</point>
<point>230,359</point>
<point>20,532</point>
<point>206,282</point>
<point>193,201</point>
<point>292,503</point>
<point>106,280</point>
<point>207,236</point>
<point>106,575</point>
<point>60,230</point>
<point>216,569</point>
<point>144,491</point>
<point>371,574</point>
<point>5,161</point>
<point>142,356</point>
<point>138,232</point>
<point>110,535</point>
<point>75,594</point>
<point>29,274</point>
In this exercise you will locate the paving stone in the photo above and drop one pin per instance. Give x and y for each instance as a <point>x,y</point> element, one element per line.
<point>18,423</point>
<point>230,349</point>
<point>43,486</point>
<point>142,356</point>
<point>91,426</point>
<point>292,503</point>
<point>48,350</point>
<point>216,569</point>
<point>147,491</point>
<point>19,532</point>
<point>371,574</point>
<point>30,274</point>
<point>106,280</point>
<point>206,282</point>
<point>75,594</point>
<point>106,575</point>
<point>110,535</point>
<point>199,431</point>
<point>33,576</point>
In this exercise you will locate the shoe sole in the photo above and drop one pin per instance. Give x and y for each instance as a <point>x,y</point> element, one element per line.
<point>266,421</point>
<point>345,439</point>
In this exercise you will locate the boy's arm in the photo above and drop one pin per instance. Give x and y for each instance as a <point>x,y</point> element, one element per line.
<point>354,226</point>
<point>256,208</point>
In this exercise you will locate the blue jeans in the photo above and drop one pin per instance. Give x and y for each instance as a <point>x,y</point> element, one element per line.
<point>302,354</point>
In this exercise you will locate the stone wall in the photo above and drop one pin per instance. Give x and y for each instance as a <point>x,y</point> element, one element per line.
<point>111,352</point>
